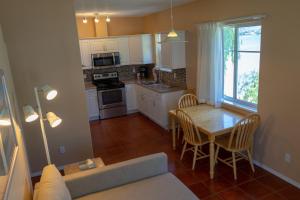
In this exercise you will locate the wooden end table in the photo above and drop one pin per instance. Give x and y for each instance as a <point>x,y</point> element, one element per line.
<point>74,167</point>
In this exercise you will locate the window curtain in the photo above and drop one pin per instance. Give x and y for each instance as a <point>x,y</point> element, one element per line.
<point>210,64</point>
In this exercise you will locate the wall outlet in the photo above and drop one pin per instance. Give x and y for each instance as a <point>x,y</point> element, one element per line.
<point>287,158</point>
<point>62,149</point>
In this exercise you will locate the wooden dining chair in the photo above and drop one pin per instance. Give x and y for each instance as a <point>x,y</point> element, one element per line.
<point>188,100</point>
<point>192,137</point>
<point>238,141</point>
<point>185,101</point>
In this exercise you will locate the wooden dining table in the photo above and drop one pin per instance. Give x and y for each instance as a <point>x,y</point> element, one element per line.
<point>210,121</point>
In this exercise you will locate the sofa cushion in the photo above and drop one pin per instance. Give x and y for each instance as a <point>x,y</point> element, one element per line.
<point>52,186</point>
<point>162,187</point>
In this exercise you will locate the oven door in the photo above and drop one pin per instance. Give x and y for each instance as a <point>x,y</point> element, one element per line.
<point>111,98</point>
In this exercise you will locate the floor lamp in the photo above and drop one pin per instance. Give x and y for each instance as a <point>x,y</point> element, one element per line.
<point>30,114</point>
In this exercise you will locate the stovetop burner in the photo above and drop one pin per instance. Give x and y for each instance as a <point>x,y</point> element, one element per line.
<point>107,81</point>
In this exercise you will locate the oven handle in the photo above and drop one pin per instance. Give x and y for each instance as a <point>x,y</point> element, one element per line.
<point>101,91</point>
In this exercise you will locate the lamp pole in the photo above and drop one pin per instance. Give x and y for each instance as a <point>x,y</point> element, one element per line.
<point>36,92</point>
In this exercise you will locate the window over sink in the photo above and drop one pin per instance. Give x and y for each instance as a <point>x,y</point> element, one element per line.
<point>241,63</point>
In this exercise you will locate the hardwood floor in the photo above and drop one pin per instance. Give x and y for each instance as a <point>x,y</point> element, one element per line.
<point>123,138</point>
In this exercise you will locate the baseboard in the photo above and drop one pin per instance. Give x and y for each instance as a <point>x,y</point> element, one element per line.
<point>39,173</point>
<point>132,111</point>
<point>279,175</point>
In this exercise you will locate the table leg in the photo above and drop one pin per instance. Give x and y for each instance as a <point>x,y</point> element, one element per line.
<point>173,122</point>
<point>212,156</point>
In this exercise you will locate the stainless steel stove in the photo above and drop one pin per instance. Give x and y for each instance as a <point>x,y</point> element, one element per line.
<point>111,95</point>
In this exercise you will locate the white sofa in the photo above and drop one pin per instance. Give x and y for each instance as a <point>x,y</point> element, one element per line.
<point>144,178</point>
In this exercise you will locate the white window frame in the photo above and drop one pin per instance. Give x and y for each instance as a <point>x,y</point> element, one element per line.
<point>233,100</point>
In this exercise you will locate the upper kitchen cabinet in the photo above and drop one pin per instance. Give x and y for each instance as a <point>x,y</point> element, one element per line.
<point>123,44</point>
<point>140,49</point>
<point>135,49</point>
<point>103,45</point>
<point>170,53</point>
<point>85,52</point>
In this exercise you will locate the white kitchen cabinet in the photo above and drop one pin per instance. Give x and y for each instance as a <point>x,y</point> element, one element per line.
<point>92,103</point>
<point>103,45</point>
<point>157,105</point>
<point>85,52</point>
<point>123,46</point>
<point>131,98</point>
<point>135,49</point>
<point>170,54</point>
<point>140,49</point>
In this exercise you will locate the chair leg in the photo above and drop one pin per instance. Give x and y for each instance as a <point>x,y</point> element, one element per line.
<point>178,131</point>
<point>217,154</point>
<point>195,156</point>
<point>234,165</point>
<point>250,160</point>
<point>183,150</point>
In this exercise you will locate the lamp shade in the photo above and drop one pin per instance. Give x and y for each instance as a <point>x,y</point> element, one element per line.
<point>172,34</point>
<point>30,114</point>
<point>4,117</point>
<point>53,119</point>
<point>49,92</point>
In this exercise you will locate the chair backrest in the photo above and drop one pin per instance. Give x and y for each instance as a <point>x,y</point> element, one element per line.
<point>188,100</point>
<point>190,132</point>
<point>242,134</point>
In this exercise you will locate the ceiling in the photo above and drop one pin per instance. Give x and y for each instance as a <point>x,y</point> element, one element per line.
<point>123,7</point>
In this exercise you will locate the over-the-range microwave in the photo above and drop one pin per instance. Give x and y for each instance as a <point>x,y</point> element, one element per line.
<point>106,59</point>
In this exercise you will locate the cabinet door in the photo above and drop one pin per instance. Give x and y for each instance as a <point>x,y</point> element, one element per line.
<point>110,45</point>
<point>123,47</point>
<point>85,53</point>
<point>135,50</point>
<point>178,59</point>
<point>147,49</point>
<point>97,45</point>
<point>131,98</point>
<point>166,52</point>
<point>92,101</point>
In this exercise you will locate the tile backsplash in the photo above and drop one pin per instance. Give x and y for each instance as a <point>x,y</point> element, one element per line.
<point>128,72</point>
<point>175,78</point>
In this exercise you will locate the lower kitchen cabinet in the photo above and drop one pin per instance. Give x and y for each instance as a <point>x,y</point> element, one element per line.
<point>157,105</point>
<point>131,99</point>
<point>92,102</point>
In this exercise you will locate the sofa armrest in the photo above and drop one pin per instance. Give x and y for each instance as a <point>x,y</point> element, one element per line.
<point>99,179</point>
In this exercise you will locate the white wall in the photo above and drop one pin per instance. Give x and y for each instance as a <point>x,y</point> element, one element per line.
<point>20,187</point>
<point>43,48</point>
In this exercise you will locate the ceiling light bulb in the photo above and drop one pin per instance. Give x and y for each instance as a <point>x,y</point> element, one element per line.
<point>30,114</point>
<point>172,34</point>
<point>96,19</point>
<point>84,20</point>
<point>107,19</point>
<point>49,92</point>
<point>53,119</point>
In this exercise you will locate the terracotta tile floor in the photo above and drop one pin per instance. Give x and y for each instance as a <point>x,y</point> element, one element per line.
<point>123,138</point>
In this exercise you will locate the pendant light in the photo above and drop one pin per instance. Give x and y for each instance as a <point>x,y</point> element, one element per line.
<point>84,20</point>
<point>172,36</point>
<point>172,33</point>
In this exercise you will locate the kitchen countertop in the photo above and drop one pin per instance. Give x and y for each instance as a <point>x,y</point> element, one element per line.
<point>90,85</point>
<point>165,90</point>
